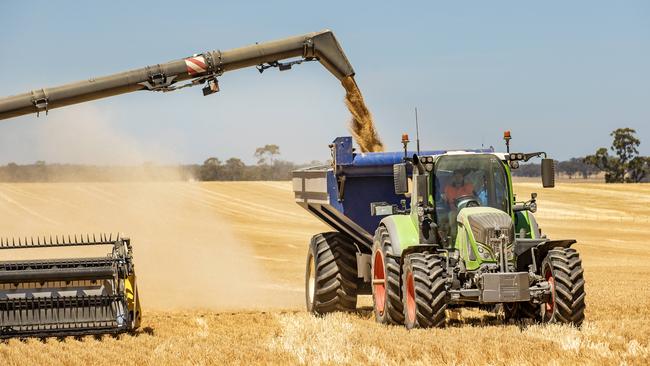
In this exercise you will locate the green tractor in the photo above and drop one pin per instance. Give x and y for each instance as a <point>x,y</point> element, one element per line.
<point>466,241</point>
<point>463,241</point>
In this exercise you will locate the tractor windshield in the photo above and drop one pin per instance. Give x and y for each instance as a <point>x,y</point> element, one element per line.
<point>467,180</point>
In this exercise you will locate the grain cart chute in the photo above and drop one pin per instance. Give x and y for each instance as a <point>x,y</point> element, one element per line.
<point>71,296</point>
<point>454,236</point>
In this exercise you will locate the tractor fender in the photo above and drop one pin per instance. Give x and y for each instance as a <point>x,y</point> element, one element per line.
<point>525,248</point>
<point>403,233</point>
<point>544,247</point>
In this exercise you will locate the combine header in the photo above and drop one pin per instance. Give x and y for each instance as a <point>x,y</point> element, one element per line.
<point>77,296</point>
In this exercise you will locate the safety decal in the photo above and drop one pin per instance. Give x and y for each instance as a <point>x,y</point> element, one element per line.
<point>196,65</point>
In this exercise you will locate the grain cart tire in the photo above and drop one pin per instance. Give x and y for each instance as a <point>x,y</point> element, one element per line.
<point>562,268</point>
<point>385,269</point>
<point>521,311</point>
<point>331,274</point>
<point>528,310</point>
<point>510,311</point>
<point>423,291</point>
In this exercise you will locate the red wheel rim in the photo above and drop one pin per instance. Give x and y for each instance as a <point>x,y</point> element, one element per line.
<point>410,297</point>
<point>549,307</point>
<point>379,283</point>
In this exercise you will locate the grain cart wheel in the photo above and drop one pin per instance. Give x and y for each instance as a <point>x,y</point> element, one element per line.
<point>385,270</point>
<point>423,291</point>
<point>510,311</point>
<point>521,311</point>
<point>562,268</point>
<point>331,274</point>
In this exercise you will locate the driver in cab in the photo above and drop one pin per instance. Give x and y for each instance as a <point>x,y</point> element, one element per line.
<point>457,188</point>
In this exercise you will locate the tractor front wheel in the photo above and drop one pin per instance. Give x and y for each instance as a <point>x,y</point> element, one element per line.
<point>423,291</point>
<point>331,274</point>
<point>562,269</point>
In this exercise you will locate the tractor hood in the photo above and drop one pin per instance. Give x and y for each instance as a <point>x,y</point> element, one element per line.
<point>487,224</point>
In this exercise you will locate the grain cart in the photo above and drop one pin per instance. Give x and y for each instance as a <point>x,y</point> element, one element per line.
<point>425,232</point>
<point>72,296</point>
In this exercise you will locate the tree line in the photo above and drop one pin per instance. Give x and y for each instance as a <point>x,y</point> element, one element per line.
<point>268,167</point>
<point>624,164</point>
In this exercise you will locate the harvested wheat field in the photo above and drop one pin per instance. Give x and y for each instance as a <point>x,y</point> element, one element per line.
<point>221,270</point>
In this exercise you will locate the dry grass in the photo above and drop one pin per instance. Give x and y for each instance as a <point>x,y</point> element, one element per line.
<point>221,267</point>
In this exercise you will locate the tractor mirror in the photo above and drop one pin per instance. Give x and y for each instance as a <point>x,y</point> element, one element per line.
<point>548,173</point>
<point>400,178</point>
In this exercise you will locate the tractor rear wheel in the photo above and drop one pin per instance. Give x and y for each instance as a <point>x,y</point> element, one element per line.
<point>385,269</point>
<point>331,274</point>
<point>562,268</point>
<point>423,291</point>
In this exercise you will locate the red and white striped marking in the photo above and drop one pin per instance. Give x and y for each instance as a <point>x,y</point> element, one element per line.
<point>196,65</point>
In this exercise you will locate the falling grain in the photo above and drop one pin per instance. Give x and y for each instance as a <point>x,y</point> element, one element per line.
<point>362,126</point>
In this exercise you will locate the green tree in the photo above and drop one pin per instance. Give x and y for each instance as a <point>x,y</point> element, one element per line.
<point>626,165</point>
<point>266,152</point>
<point>234,169</point>
<point>638,168</point>
<point>210,170</point>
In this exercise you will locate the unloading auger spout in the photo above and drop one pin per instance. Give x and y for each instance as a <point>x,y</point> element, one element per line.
<point>200,69</point>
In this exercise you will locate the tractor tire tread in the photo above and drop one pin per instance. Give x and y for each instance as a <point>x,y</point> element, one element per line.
<point>430,292</point>
<point>336,275</point>
<point>569,285</point>
<point>393,309</point>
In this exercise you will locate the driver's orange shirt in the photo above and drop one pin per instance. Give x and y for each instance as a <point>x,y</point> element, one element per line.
<point>452,193</point>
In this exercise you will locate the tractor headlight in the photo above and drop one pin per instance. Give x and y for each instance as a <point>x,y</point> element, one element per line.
<point>484,252</point>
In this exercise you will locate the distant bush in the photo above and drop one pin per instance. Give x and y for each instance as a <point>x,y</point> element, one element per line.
<point>572,168</point>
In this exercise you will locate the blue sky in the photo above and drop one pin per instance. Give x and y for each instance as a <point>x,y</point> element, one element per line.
<point>560,75</point>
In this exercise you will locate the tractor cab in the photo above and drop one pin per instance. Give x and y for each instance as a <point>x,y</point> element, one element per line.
<point>467,180</point>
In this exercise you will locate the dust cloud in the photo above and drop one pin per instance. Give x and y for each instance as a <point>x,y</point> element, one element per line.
<point>186,254</point>
<point>362,126</point>
<point>84,134</point>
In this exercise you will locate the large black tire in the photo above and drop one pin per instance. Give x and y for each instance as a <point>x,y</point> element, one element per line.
<point>423,291</point>
<point>521,311</point>
<point>385,270</point>
<point>331,274</point>
<point>562,268</point>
